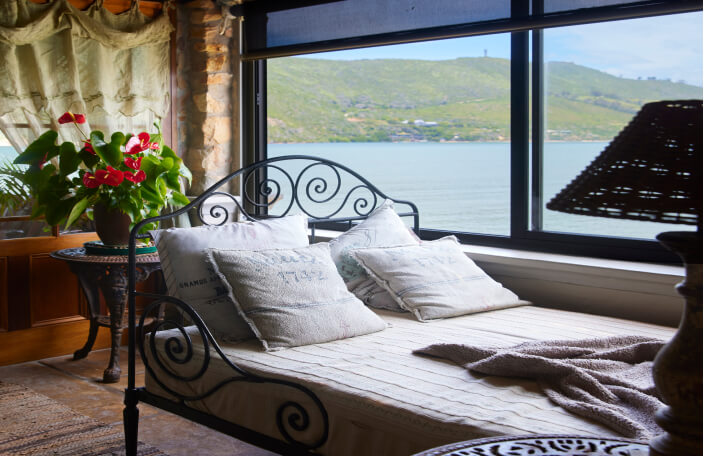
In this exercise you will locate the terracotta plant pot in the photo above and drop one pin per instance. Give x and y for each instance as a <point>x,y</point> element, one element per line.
<point>112,225</point>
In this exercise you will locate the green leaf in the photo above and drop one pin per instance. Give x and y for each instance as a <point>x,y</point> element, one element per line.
<point>43,146</point>
<point>37,178</point>
<point>90,160</point>
<point>57,211</point>
<point>154,171</point>
<point>128,207</point>
<point>68,159</point>
<point>76,211</point>
<point>172,180</point>
<point>148,227</point>
<point>163,189</point>
<point>152,196</point>
<point>136,197</point>
<point>168,163</point>
<point>168,152</point>
<point>179,199</point>
<point>149,163</point>
<point>117,139</point>
<point>37,211</point>
<point>110,153</point>
<point>185,172</point>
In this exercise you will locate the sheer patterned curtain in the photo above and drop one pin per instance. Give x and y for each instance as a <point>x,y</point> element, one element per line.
<point>112,67</point>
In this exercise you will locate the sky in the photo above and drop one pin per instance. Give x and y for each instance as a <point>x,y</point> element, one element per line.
<point>665,47</point>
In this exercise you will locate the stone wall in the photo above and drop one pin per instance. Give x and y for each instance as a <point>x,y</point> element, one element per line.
<point>206,94</point>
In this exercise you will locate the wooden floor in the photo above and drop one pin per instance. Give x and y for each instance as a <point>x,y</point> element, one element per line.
<point>78,384</point>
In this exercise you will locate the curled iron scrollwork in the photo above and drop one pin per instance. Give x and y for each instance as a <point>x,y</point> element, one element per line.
<point>180,348</point>
<point>320,190</point>
<point>218,212</point>
<point>318,185</point>
<point>266,187</point>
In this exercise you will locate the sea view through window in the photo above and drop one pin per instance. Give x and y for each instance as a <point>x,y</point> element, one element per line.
<point>429,122</point>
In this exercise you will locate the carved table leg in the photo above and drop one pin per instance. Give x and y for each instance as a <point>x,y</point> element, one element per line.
<point>92,334</point>
<point>114,287</point>
<point>86,277</point>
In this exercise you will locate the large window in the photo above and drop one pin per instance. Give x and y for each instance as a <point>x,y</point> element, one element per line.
<point>596,77</point>
<point>437,118</point>
<point>482,131</point>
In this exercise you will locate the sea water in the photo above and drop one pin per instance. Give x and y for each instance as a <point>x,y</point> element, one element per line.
<point>466,186</point>
<point>461,186</point>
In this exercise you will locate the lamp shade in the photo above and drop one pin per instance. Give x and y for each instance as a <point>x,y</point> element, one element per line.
<point>651,171</point>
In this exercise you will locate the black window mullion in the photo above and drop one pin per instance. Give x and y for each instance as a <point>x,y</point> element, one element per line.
<point>537,124</point>
<point>520,103</point>
<point>254,132</point>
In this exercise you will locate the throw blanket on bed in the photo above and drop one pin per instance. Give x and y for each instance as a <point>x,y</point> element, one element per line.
<point>608,380</point>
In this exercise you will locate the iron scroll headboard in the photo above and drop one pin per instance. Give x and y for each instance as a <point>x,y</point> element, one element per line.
<point>332,196</point>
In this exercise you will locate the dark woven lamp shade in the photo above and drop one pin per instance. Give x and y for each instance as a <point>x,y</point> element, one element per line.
<point>651,171</point>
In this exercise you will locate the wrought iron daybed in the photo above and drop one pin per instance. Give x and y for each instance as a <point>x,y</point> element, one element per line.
<point>341,191</point>
<point>361,395</point>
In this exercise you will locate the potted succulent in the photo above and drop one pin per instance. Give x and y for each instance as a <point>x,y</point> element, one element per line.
<point>117,181</point>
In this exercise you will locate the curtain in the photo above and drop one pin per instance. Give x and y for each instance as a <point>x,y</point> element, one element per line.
<point>55,58</point>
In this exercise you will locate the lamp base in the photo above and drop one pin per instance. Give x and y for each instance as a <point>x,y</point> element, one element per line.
<point>677,369</point>
<point>683,436</point>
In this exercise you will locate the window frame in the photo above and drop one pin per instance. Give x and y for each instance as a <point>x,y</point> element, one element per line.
<point>526,197</point>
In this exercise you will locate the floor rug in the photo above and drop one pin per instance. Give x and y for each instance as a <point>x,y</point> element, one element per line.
<point>33,424</point>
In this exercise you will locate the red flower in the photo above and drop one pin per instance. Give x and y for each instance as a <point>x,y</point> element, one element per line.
<point>87,146</point>
<point>90,181</point>
<point>137,177</point>
<point>71,117</point>
<point>111,176</point>
<point>133,163</point>
<point>138,144</point>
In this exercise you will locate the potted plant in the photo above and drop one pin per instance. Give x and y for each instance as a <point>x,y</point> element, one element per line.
<point>117,181</point>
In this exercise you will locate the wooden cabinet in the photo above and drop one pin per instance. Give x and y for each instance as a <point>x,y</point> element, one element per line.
<point>43,312</point>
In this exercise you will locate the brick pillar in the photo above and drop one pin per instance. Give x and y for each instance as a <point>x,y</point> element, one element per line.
<point>206,95</point>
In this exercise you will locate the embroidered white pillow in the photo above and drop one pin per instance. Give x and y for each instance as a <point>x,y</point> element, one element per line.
<point>292,297</point>
<point>383,227</point>
<point>189,277</point>
<point>435,279</point>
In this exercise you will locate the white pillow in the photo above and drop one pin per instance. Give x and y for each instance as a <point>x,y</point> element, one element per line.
<point>435,279</point>
<point>190,278</point>
<point>383,227</point>
<point>292,297</point>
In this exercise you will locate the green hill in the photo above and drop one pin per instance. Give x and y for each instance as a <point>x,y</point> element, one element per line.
<point>467,99</point>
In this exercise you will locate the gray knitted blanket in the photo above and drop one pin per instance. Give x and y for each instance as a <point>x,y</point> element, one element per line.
<point>608,380</point>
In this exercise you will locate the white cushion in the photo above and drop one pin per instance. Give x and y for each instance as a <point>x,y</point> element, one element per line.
<point>383,227</point>
<point>435,279</point>
<point>292,297</point>
<point>189,277</point>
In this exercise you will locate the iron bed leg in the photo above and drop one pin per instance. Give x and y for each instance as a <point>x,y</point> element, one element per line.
<point>130,416</point>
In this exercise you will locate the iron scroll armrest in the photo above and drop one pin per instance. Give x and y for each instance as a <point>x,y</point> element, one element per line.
<point>180,350</point>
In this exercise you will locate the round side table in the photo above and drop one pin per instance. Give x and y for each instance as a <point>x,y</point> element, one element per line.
<point>106,274</point>
<point>542,445</point>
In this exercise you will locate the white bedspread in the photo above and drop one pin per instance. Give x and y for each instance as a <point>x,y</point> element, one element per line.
<point>383,400</point>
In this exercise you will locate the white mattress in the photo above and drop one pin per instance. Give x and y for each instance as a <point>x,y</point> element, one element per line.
<point>383,400</point>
